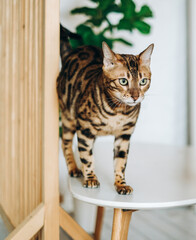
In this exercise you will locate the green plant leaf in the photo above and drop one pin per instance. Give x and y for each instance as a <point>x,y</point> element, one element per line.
<point>90,38</point>
<point>104,4</point>
<point>142,27</point>
<point>108,41</point>
<point>60,132</point>
<point>94,21</point>
<point>98,15</point>
<point>81,29</point>
<point>98,39</point>
<point>75,43</point>
<point>85,10</point>
<point>86,33</point>
<point>123,41</point>
<point>125,24</point>
<point>112,8</point>
<point>128,8</point>
<point>145,12</point>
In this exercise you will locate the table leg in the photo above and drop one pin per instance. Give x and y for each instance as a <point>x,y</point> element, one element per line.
<point>99,221</point>
<point>121,222</point>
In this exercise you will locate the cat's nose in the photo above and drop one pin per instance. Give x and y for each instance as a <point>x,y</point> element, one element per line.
<point>134,93</point>
<point>135,98</point>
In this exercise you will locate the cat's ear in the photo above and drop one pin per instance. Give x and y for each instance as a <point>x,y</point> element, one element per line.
<point>109,57</point>
<point>145,56</point>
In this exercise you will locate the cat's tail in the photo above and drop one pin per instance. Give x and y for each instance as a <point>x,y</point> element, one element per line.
<point>65,46</point>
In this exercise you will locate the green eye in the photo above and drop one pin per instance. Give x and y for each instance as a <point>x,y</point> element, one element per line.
<point>123,81</point>
<point>143,82</point>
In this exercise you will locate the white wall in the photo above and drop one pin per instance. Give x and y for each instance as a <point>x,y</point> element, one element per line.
<point>163,114</point>
<point>192,69</point>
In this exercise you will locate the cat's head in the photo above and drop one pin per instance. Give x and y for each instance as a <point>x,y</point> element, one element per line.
<point>128,77</point>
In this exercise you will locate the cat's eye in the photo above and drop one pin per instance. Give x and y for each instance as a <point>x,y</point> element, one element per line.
<point>123,81</point>
<point>143,82</point>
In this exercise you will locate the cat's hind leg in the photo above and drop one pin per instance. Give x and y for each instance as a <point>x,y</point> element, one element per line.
<point>68,131</point>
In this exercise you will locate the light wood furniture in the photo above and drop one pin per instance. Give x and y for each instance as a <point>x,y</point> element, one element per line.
<point>29,66</point>
<point>29,60</point>
<point>161,176</point>
<point>99,222</point>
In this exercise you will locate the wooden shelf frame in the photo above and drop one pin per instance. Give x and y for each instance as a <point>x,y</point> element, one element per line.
<point>30,226</point>
<point>29,56</point>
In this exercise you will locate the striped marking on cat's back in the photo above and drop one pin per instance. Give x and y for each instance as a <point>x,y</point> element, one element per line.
<point>80,67</point>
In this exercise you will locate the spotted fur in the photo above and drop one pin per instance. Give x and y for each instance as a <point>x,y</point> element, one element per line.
<point>94,103</point>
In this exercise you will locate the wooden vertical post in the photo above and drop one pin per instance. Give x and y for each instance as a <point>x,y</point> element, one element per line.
<point>29,60</point>
<point>99,223</point>
<point>50,123</point>
<point>121,222</point>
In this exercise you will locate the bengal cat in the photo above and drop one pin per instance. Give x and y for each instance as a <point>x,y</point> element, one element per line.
<point>100,93</point>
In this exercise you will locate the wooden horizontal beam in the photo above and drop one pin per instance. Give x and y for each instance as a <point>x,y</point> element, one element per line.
<point>71,227</point>
<point>6,220</point>
<point>30,226</point>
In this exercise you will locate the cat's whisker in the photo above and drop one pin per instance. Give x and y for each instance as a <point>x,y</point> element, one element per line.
<point>118,104</point>
<point>114,103</point>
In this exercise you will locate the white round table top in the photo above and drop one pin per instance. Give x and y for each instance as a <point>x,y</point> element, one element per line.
<point>161,177</point>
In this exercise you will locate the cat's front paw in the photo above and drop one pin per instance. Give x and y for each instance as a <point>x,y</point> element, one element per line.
<point>124,189</point>
<point>91,183</point>
<point>75,173</point>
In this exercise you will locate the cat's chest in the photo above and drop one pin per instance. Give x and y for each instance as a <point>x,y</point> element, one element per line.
<point>114,124</point>
<point>102,121</point>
